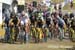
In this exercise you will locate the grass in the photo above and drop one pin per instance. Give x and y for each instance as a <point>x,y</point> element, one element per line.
<point>73,1</point>
<point>57,1</point>
<point>67,7</point>
<point>54,1</point>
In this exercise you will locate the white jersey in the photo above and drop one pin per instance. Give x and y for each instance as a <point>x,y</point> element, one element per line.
<point>47,2</point>
<point>22,20</point>
<point>22,23</point>
<point>26,20</point>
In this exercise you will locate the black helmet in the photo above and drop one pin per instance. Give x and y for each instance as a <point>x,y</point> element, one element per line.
<point>71,15</point>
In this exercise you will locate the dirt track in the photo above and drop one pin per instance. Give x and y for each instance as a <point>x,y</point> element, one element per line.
<point>38,46</point>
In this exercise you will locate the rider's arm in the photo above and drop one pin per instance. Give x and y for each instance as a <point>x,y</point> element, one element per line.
<point>10,22</point>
